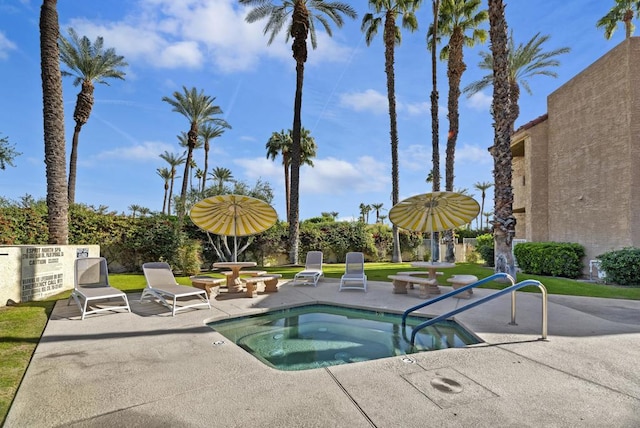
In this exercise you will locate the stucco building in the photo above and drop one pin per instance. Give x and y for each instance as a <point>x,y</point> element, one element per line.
<point>576,169</point>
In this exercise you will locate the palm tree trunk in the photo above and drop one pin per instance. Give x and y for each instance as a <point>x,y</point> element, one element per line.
<point>454,71</point>
<point>299,31</point>
<point>389,44</point>
<point>435,146</point>
<point>192,138</point>
<point>173,174</point>
<point>164,200</point>
<point>73,162</point>
<point>53,115</point>
<point>287,187</point>
<point>206,164</point>
<point>504,224</point>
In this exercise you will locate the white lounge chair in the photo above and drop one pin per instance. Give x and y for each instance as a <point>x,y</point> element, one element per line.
<point>354,272</point>
<point>312,269</point>
<point>162,285</point>
<point>91,284</point>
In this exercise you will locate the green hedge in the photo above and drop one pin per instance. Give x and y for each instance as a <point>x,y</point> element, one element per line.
<point>550,258</point>
<point>485,247</point>
<point>622,267</point>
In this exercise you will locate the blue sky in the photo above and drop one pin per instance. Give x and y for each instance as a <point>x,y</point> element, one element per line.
<point>207,44</point>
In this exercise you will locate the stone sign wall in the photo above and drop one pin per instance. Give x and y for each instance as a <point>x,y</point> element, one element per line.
<point>35,272</point>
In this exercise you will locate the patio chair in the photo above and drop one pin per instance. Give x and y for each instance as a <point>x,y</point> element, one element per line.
<point>162,285</point>
<point>91,284</point>
<point>354,272</point>
<point>312,269</point>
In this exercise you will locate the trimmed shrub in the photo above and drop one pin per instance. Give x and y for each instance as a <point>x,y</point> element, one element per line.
<point>550,258</point>
<point>622,266</point>
<point>485,247</point>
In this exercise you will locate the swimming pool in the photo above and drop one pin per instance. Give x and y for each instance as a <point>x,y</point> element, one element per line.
<point>315,336</point>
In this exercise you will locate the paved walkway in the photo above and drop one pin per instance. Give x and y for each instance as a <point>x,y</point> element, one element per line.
<point>148,369</point>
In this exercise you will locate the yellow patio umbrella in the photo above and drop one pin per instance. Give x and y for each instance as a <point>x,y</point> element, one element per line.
<point>233,215</point>
<point>434,212</point>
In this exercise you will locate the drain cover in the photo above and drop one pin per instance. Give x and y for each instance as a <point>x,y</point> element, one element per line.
<point>447,385</point>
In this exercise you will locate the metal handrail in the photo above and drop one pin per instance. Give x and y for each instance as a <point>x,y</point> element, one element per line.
<point>493,277</point>
<point>510,289</point>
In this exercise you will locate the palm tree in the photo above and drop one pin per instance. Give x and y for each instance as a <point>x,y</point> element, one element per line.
<point>385,14</point>
<point>504,222</point>
<point>302,24</point>
<point>166,176</point>
<point>622,11</point>
<point>280,143</point>
<point>434,175</point>
<point>88,64</point>
<point>53,115</point>
<point>455,19</point>
<point>208,132</point>
<point>134,208</point>
<point>377,207</point>
<point>221,176</point>
<point>199,109</point>
<point>482,187</point>
<point>199,175</point>
<point>364,212</point>
<point>174,160</point>
<point>524,61</point>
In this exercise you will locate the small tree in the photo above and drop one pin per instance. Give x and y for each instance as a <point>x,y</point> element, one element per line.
<point>7,153</point>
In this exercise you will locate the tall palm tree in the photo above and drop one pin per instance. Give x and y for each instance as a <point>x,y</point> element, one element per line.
<point>280,143</point>
<point>364,212</point>
<point>174,160</point>
<point>504,225</point>
<point>134,208</point>
<point>377,208</point>
<point>183,141</point>
<point>434,174</point>
<point>300,17</point>
<point>208,132</point>
<point>221,176</point>
<point>385,13</point>
<point>456,18</point>
<point>482,187</point>
<point>166,176</point>
<point>53,115</point>
<point>89,64</point>
<point>622,11</point>
<point>199,109</point>
<point>524,62</point>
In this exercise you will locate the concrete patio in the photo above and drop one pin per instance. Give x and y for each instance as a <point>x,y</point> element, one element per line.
<point>148,369</point>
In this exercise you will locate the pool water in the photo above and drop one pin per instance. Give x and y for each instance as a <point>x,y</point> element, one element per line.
<point>315,336</point>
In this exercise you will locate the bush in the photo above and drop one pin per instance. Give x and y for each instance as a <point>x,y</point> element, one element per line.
<point>622,266</point>
<point>484,247</point>
<point>550,258</point>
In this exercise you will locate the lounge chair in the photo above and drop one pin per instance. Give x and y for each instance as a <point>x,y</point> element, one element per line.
<point>312,269</point>
<point>354,272</point>
<point>162,285</point>
<point>91,283</point>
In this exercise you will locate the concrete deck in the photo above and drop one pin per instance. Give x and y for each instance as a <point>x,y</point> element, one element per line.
<point>148,369</point>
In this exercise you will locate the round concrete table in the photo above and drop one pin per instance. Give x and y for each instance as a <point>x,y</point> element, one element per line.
<point>234,283</point>
<point>433,267</point>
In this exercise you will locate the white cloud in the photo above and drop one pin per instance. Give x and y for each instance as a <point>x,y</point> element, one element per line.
<point>479,101</point>
<point>327,176</point>
<point>473,154</point>
<point>147,151</point>
<point>417,109</point>
<point>369,100</point>
<point>195,33</point>
<point>415,158</point>
<point>6,45</point>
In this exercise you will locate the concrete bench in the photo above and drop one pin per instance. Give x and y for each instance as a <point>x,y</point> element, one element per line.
<point>419,272</point>
<point>270,283</point>
<point>402,282</point>
<point>458,281</point>
<point>245,272</point>
<point>207,283</point>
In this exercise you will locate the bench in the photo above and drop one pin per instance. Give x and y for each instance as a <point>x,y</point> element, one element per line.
<point>270,283</point>
<point>402,282</point>
<point>419,272</point>
<point>207,283</point>
<point>245,272</point>
<point>459,281</point>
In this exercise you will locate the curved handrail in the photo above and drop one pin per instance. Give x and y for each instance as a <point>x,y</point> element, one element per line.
<point>499,275</point>
<point>509,289</point>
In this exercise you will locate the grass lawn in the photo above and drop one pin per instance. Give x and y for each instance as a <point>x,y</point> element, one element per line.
<point>22,325</point>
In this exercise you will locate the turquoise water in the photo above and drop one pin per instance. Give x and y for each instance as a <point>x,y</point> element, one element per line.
<point>315,336</point>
